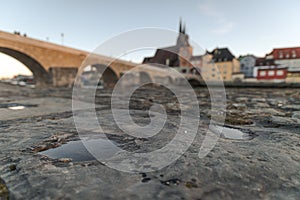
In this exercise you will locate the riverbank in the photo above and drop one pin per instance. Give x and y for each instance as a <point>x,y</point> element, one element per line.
<point>263,166</point>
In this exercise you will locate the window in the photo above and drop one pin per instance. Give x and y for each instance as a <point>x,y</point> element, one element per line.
<point>167,62</point>
<point>294,55</point>
<point>271,73</point>
<point>280,73</point>
<point>287,55</point>
<point>262,73</point>
<point>280,54</point>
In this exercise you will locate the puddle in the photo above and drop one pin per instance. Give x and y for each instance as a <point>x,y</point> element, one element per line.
<point>232,133</point>
<point>77,151</point>
<point>16,106</point>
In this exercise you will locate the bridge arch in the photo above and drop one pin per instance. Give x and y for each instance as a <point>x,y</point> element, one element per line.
<point>41,76</point>
<point>109,76</point>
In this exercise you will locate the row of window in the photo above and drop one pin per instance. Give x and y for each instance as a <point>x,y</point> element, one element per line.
<point>220,60</point>
<point>294,55</point>
<point>271,73</point>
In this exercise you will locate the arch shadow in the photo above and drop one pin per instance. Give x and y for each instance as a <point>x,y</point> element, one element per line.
<point>42,77</point>
<point>108,76</point>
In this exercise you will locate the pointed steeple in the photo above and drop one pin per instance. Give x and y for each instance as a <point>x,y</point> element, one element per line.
<point>180,25</point>
<point>183,29</point>
<point>183,38</point>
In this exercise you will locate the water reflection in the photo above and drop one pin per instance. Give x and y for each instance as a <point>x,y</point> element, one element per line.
<point>231,133</point>
<point>77,152</point>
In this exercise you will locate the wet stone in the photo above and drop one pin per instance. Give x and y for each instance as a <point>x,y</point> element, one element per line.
<point>284,121</point>
<point>291,107</point>
<point>296,115</point>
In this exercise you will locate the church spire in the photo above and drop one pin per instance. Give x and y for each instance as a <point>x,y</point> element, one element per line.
<point>183,29</point>
<point>183,38</point>
<point>180,25</point>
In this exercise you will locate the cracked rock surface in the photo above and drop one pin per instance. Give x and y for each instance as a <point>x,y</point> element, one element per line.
<point>267,166</point>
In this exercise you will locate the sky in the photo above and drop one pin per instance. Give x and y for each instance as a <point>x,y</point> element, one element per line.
<point>246,27</point>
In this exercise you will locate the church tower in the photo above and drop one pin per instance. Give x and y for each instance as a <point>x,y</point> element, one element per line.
<point>185,49</point>
<point>178,55</point>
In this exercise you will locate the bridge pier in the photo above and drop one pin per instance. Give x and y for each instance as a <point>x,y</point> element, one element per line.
<point>42,79</point>
<point>63,76</point>
<point>42,84</point>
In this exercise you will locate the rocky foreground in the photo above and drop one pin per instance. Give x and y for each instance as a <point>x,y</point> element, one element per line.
<point>264,165</point>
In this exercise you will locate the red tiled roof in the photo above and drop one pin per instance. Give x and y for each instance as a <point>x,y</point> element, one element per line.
<point>286,53</point>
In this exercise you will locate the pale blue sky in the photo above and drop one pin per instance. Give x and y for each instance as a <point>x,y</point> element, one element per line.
<point>245,26</point>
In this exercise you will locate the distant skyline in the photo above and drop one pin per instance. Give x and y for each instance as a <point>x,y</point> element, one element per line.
<point>245,27</point>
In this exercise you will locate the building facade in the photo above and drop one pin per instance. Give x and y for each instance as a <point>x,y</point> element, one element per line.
<point>271,73</point>
<point>289,57</point>
<point>293,76</point>
<point>247,65</point>
<point>219,65</point>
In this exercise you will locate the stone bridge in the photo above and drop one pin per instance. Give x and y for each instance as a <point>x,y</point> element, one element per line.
<point>53,64</point>
<point>56,65</point>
